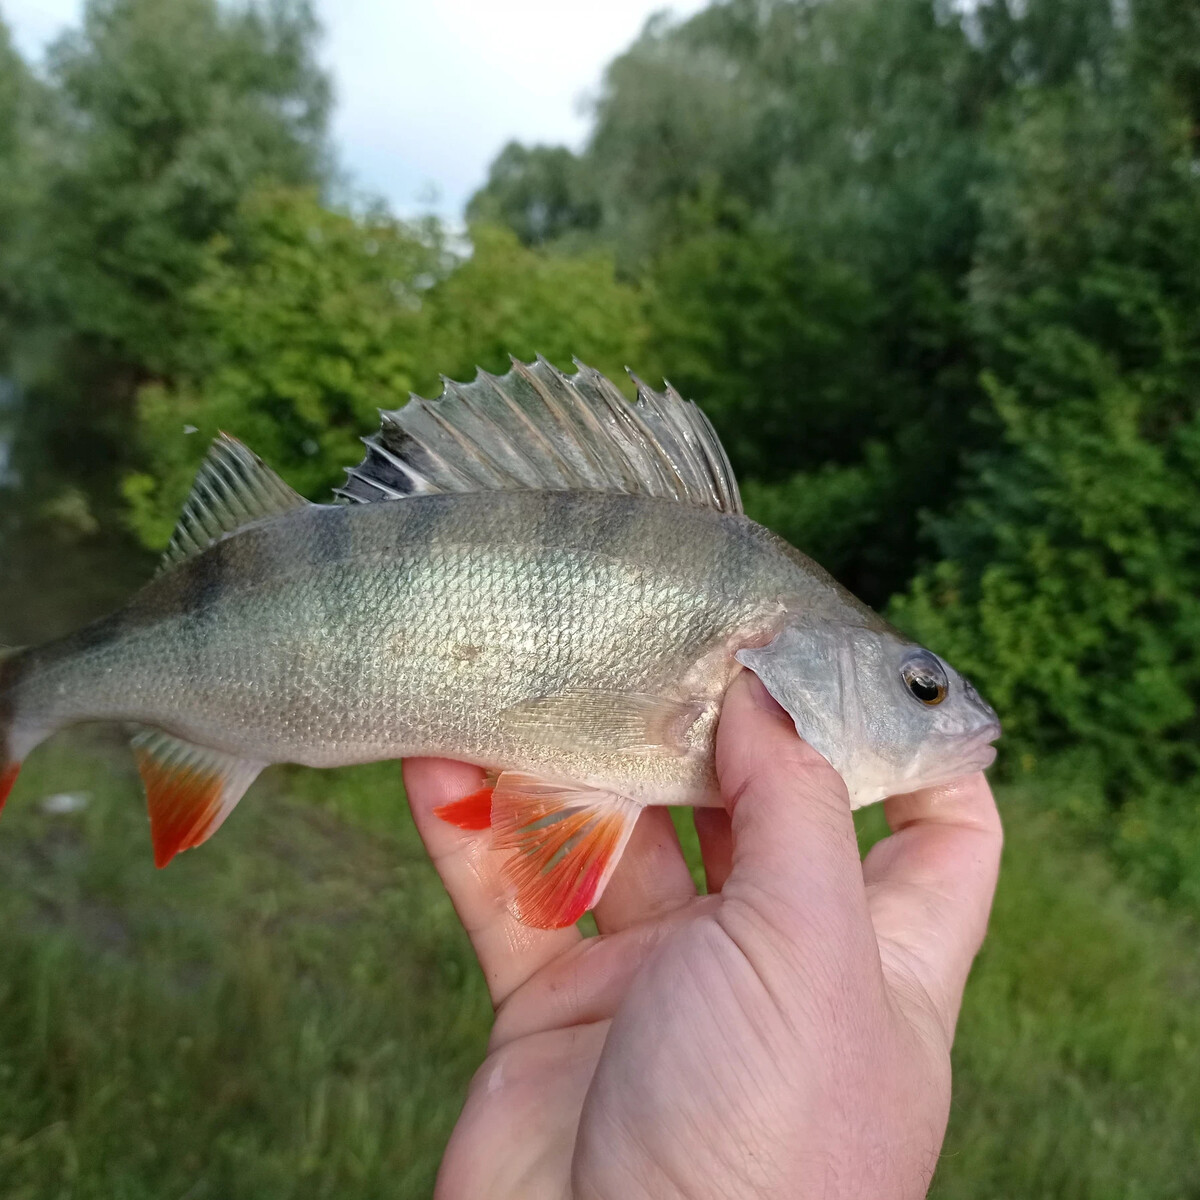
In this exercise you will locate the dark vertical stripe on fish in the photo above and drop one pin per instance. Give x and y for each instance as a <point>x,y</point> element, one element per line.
<point>248,557</point>
<point>12,667</point>
<point>331,548</point>
<point>205,577</point>
<point>619,531</point>
<point>98,633</point>
<point>405,528</point>
<point>337,538</point>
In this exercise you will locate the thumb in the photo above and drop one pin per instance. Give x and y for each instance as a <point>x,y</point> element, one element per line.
<point>794,846</point>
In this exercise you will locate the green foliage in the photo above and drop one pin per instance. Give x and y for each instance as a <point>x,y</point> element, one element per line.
<point>537,192</point>
<point>733,302</point>
<point>304,323</point>
<point>155,118</point>
<point>1080,627</point>
<point>307,321</point>
<point>171,111</point>
<point>1070,579</point>
<point>504,299</point>
<point>833,513</point>
<point>21,101</point>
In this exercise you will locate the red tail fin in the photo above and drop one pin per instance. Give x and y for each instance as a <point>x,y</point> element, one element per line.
<point>9,766</point>
<point>8,776</point>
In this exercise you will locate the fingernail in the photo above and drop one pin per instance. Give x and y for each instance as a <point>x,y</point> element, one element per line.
<point>763,699</point>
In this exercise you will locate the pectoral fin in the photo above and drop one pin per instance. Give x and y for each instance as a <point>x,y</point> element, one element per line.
<point>566,841</point>
<point>607,720</point>
<point>190,790</point>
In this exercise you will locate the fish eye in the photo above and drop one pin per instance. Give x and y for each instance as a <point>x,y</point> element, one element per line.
<point>925,679</point>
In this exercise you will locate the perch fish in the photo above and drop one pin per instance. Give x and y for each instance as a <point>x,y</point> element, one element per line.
<point>529,573</point>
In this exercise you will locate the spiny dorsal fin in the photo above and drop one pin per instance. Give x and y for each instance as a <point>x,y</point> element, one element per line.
<point>233,487</point>
<point>538,428</point>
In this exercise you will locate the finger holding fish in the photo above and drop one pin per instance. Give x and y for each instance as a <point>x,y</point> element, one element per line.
<point>930,887</point>
<point>651,880</point>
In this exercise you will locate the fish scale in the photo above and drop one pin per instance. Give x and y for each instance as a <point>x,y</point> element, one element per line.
<point>573,633</point>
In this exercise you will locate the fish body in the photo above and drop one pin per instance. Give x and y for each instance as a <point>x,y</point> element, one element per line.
<point>336,634</point>
<point>575,640</point>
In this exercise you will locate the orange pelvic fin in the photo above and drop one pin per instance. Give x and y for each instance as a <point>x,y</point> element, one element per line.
<point>471,812</point>
<point>566,839</point>
<point>190,790</point>
<point>8,776</point>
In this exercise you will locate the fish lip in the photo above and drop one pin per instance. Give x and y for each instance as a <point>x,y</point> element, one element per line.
<point>982,752</point>
<point>986,757</point>
<point>975,752</point>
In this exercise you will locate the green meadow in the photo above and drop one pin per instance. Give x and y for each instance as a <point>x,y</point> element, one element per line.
<point>293,1011</point>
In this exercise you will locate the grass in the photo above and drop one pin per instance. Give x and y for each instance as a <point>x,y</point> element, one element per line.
<point>293,1012</point>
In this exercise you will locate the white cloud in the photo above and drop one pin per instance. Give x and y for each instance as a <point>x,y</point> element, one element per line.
<point>36,23</point>
<point>428,93</point>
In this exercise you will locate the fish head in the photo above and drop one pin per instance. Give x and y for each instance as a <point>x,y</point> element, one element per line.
<point>889,715</point>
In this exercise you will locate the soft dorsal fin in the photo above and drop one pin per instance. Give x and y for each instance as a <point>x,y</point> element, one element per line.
<point>233,487</point>
<point>538,428</point>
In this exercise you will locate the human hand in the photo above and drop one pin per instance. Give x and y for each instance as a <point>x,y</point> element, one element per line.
<point>787,1035</point>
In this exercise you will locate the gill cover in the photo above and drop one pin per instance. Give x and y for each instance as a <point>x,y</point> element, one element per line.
<point>812,674</point>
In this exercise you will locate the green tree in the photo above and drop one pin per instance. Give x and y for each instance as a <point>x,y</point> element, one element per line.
<point>506,299</point>
<point>539,192</point>
<point>793,183</point>
<point>173,110</point>
<point>158,117</point>
<point>1070,580</point>
<point>21,102</point>
<point>307,321</point>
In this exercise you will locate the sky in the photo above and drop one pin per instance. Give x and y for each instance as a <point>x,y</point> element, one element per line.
<point>428,91</point>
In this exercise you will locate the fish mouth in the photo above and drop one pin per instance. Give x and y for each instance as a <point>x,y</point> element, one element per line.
<point>964,755</point>
<point>982,760</point>
<point>980,753</point>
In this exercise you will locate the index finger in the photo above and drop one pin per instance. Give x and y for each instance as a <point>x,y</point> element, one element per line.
<point>930,887</point>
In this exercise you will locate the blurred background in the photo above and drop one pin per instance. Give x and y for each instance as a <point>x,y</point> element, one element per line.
<point>931,268</point>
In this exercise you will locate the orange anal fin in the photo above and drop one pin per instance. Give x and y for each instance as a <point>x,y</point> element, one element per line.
<point>471,812</point>
<point>566,841</point>
<point>190,790</point>
<point>8,776</point>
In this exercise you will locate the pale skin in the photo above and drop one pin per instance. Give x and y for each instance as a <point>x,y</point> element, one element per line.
<point>786,1036</point>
